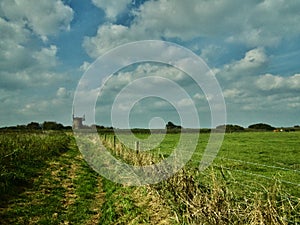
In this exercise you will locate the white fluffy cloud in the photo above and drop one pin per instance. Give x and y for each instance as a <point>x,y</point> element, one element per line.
<point>251,22</point>
<point>255,24</point>
<point>44,17</point>
<point>46,57</point>
<point>13,53</point>
<point>253,61</point>
<point>29,68</point>
<point>108,36</point>
<point>23,63</point>
<point>112,8</point>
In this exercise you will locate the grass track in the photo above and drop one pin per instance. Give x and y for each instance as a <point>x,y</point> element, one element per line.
<point>66,192</point>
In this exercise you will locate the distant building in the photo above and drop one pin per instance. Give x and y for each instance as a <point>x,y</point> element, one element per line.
<point>77,122</point>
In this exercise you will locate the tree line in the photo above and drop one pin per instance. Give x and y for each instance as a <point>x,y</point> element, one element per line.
<point>170,127</point>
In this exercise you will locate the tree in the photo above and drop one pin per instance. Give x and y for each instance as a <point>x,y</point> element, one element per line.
<point>50,125</point>
<point>33,126</point>
<point>261,126</point>
<point>171,125</point>
<point>231,128</point>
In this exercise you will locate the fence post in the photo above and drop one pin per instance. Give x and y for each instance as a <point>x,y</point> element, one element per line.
<point>114,142</point>
<point>137,147</point>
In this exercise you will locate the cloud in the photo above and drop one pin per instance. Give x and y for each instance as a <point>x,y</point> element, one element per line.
<point>13,54</point>
<point>262,94</point>
<point>85,65</point>
<point>232,93</point>
<point>254,24</point>
<point>44,17</point>
<point>294,104</point>
<point>253,61</point>
<point>110,36</point>
<point>22,107</point>
<point>28,64</point>
<point>270,82</point>
<point>255,37</point>
<point>112,8</point>
<point>211,52</point>
<point>185,102</point>
<point>24,60</point>
<point>255,58</point>
<point>132,82</point>
<point>63,93</point>
<point>29,68</point>
<point>174,19</point>
<point>46,57</point>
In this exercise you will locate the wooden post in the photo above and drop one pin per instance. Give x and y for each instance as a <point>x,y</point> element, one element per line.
<point>137,147</point>
<point>114,142</point>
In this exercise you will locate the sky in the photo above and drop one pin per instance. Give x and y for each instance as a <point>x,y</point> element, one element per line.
<point>251,47</point>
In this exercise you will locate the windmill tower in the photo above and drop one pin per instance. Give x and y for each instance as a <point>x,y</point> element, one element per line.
<point>77,121</point>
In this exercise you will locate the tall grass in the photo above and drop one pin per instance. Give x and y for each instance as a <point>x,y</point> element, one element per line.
<point>23,155</point>
<point>214,203</point>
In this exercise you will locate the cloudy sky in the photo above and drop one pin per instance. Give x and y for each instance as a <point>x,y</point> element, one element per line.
<point>251,47</point>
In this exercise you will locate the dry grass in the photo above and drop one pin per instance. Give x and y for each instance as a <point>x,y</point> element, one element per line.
<point>156,208</point>
<point>216,204</point>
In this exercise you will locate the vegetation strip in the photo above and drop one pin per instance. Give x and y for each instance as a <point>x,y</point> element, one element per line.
<point>66,192</point>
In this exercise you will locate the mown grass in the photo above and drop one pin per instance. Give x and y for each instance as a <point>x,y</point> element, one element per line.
<point>253,180</point>
<point>256,159</point>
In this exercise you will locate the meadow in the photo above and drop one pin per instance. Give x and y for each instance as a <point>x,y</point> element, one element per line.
<point>255,179</point>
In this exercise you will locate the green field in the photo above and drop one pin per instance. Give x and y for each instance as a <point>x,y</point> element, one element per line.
<point>255,179</point>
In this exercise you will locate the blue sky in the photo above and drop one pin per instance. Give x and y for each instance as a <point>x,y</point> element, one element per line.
<point>251,46</point>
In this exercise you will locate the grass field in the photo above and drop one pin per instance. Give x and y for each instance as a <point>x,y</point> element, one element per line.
<point>255,179</point>
<point>249,158</point>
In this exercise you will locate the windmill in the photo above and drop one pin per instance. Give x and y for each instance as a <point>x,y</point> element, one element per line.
<point>77,121</point>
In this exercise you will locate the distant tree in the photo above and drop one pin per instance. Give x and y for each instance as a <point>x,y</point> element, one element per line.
<point>20,127</point>
<point>231,128</point>
<point>33,126</point>
<point>50,125</point>
<point>261,126</point>
<point>67,127</point>
<point>140,131</point>
<point>171,125</point>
